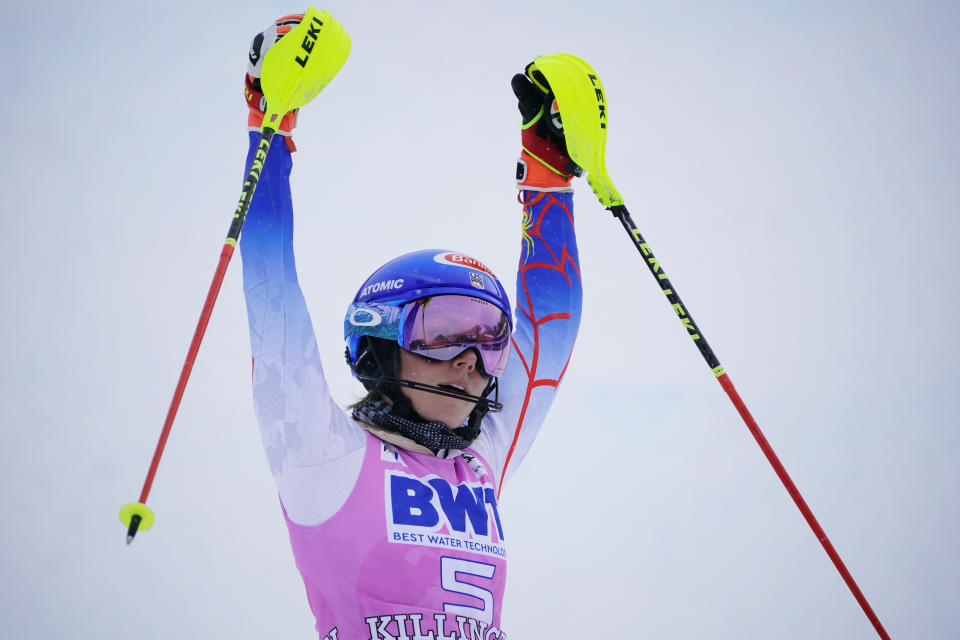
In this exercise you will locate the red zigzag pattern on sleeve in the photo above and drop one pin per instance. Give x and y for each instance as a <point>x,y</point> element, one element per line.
<point>558,261</point>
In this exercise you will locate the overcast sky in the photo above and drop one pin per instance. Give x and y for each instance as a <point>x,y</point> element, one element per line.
<point>795,167</point>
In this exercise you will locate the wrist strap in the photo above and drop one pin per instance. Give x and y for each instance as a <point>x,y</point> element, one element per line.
<point>535,175</point>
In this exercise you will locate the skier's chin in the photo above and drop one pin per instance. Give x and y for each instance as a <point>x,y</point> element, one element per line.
<point>436,408</point>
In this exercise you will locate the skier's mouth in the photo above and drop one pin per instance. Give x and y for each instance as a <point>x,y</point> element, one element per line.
<point>453,387</point>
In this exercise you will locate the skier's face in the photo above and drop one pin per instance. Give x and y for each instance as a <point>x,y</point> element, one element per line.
<point>460,372</point>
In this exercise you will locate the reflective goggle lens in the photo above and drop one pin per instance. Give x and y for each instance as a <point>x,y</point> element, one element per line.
<point>443,327</point>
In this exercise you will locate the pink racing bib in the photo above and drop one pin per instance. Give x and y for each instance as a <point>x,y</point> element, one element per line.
<point>431,565</point>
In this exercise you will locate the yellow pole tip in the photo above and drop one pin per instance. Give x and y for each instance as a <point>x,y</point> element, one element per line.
<point>137,509</point>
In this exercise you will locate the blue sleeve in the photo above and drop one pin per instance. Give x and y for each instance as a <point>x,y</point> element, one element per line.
<point>300,423</point>
<point>547,315</point>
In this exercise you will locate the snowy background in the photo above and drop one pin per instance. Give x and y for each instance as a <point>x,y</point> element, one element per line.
<point>795,167</point>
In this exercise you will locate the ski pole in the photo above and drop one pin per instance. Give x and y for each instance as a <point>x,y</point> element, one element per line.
<point>583,107</point>
<point>294,70</point>
<point>620,211</point>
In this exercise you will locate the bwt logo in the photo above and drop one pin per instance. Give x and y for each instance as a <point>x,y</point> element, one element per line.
<point>415,504</point>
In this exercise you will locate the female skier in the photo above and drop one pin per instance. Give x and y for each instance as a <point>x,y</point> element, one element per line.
<point>392,506</point>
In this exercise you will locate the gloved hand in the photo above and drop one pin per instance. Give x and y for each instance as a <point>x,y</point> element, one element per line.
<point>252,90</point>
<point>544,163</point>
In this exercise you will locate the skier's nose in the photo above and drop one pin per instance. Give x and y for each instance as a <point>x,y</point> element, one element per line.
<point>468,359</point>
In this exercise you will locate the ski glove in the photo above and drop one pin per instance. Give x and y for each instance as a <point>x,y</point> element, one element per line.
<point>252,90</point>
<point>544,163</point>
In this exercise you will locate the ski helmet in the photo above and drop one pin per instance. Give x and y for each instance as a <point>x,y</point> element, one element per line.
<point>372,324</point>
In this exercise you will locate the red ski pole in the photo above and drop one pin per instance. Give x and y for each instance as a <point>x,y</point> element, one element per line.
<point>583,108</point>
<point>620,211</point>
<point>294,70</point>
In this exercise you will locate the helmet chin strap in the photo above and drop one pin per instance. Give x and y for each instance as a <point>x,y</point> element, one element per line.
<point>481,401</point>
<point>389,385</point>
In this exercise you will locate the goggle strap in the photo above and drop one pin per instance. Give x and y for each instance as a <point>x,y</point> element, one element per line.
<point>372,319</point>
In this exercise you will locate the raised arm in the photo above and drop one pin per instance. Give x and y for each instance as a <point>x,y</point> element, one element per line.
<point>300,424</point>
<point>549,293</point>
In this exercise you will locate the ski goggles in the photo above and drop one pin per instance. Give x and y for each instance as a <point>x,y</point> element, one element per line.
<point>440,328</point>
